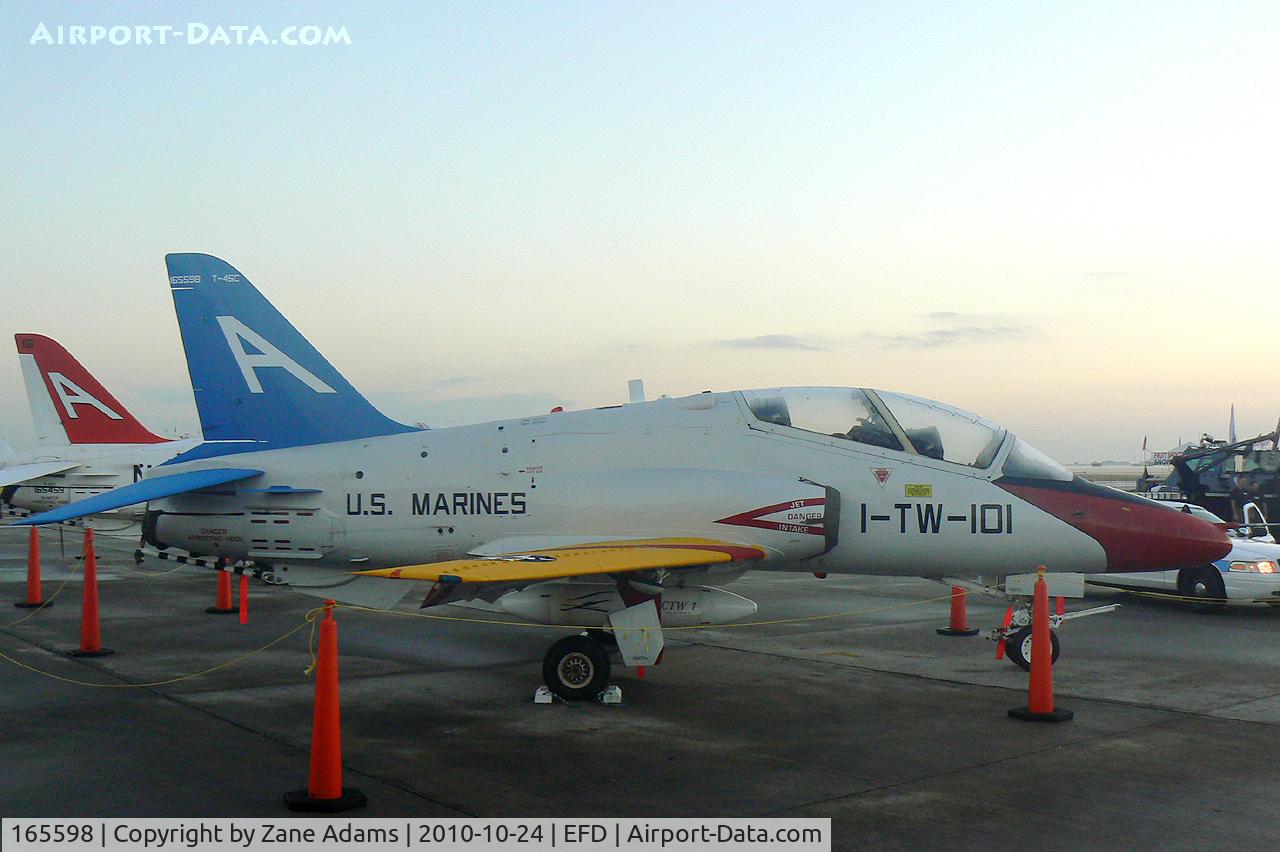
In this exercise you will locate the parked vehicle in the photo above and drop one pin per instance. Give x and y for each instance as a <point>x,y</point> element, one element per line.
<point>1250,572</point>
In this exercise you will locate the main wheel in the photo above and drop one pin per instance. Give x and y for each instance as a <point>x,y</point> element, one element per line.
<point>1018,648</point>
<point>606,638</point>
<point>576,668</point>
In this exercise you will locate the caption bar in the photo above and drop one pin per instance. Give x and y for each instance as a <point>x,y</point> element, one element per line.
<point>287,835</point>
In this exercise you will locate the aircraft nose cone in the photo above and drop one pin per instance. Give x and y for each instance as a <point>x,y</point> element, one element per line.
<point>1137,534</point>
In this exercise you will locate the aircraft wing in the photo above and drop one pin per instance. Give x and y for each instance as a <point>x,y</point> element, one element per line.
<point>606,557</point>
<point>23,472</point>
<point>141,492</point>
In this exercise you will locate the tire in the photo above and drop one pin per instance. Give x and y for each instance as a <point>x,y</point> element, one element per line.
<point>1018,648</point>
<point>576,668</point>
<point>1204,583</point>
<point>604,637</point>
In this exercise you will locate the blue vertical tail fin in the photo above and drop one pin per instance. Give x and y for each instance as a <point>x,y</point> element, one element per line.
<point>255,377</point>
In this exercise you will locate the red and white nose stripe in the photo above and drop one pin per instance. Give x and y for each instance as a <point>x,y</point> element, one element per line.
<point>1137,534</point>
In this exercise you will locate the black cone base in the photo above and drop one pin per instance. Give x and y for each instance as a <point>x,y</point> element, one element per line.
<point>968,631</point>
<point>218,610</point>
<point>351,798</point>
<point>30,605</point>
<point>101,652</point>
<point>1057,714</point>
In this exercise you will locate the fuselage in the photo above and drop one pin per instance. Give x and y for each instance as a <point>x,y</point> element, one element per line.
<point>98,468</point>
<point>711,465</point>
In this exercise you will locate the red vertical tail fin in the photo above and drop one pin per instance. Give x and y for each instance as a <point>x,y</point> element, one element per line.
<point>85,410</point>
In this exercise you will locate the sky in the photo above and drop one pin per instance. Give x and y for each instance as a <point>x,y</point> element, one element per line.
<point>1062,216</point>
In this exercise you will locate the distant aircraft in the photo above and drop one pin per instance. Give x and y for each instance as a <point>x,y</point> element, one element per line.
<point>89,442</point>
<point>625,517</point>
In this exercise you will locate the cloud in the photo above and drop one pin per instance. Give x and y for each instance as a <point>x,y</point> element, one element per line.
<point>772,341</point>
<point>434,388</point>
<point>454,381</point>
<point>956,335</point>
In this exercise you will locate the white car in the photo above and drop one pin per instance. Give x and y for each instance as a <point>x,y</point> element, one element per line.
<point>1250,572</point>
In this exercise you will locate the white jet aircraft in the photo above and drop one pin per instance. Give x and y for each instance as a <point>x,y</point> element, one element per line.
<point>624,517</point>
<point>89,442</point>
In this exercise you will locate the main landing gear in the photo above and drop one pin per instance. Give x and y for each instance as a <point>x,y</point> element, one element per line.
<point>576,668</point>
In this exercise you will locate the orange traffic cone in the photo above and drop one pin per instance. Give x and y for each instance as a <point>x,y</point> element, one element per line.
<point>1004,625</point>
<point>223,606</point>
<point>90,633</point>
<point>959,625</point>
<point>35,597</point>
<point>244,600</point>
<point>1040,700</point>
<point>325,792</point>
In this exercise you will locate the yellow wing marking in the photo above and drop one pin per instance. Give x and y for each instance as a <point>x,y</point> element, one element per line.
<point>604,557</point>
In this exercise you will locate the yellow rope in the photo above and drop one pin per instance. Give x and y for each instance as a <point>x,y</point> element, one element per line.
<point>152,574</point>
<point>154,683</point>
<point>1169,596</point>
<point>40,608</point>
<point>67,579</point>
<point>312,617</point>
<point>774,621</point>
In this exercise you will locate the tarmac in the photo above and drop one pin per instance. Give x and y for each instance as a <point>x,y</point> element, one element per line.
<point>864,714</point>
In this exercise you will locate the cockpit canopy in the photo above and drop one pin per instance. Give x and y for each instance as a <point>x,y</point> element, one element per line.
<point>894,421</point>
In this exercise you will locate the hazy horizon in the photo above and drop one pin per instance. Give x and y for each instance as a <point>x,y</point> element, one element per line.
<point>1061,217</point>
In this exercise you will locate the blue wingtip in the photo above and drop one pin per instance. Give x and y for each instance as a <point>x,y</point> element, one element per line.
<point>141,492</point>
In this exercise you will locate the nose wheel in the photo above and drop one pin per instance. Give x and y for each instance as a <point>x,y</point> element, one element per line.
<point>576,668</point>
<point>1018,648</point>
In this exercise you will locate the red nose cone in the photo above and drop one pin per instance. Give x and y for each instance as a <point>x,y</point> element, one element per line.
<point>1136,534</point>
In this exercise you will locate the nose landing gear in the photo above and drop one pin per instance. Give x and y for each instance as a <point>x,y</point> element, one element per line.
<point>1016,635</point>
<point>1018,647</point>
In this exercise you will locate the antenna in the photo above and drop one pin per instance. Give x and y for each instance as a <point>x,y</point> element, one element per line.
<point>635,390</point>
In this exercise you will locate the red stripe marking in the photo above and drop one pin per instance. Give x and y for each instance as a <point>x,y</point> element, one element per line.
<point>738,553</point>
<point>1135,536</point>
<point>753,517</point>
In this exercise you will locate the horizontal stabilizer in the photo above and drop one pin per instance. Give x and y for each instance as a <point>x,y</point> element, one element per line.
<point>282,489</point>
<point>141,492</point>
<point>23,472</point>
<point>578,561</point>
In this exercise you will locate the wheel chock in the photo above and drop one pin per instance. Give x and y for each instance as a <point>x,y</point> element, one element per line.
<point>610,695</point>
